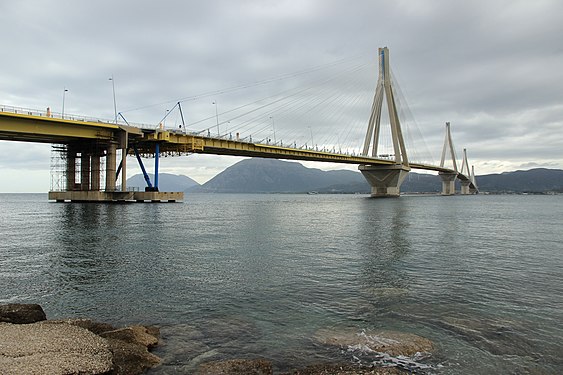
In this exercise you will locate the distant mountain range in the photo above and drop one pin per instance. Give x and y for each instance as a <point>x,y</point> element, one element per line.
<point>166,182</point>
<point>276,176</point>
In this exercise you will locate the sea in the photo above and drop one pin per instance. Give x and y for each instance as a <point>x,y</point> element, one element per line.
<point>258,276</point>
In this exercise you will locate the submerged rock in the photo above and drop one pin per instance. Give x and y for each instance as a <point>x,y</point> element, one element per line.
<point>391,342</point>
<point>344,369</point>
<point>237,367</point>
<point>41,348</point>
<point>20,313</point>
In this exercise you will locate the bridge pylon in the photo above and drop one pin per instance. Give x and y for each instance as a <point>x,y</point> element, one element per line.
<point>448,178</point>
<point>385,180</point>
<point>465,184</point>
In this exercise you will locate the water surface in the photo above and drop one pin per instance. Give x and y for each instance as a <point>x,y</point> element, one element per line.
<point>246,276</point>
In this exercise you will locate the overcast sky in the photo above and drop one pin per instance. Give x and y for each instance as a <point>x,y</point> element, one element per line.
<point>494,69</point>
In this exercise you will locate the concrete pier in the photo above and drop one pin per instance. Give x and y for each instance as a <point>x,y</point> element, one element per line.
<point>448,183</point>
<point>385,180</point>
<point>115,196</point>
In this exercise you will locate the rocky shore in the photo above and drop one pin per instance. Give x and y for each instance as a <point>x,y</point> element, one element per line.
<point>31,344</point>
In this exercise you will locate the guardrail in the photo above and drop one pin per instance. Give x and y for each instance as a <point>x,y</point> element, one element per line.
<point>67,116</point>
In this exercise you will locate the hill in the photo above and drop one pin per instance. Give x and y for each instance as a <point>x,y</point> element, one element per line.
<point>275,176</point>
<point>538,180</point>
<point>166,182</point>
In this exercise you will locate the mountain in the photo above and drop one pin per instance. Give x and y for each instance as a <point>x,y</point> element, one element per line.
<point>538,180</point>
<point>166,182</point>
<point>275,176</point>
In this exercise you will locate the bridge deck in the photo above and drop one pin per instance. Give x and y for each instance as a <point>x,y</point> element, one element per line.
<point>30,126</point>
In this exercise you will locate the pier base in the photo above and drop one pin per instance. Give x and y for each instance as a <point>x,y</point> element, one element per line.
<point>448,183</point>
<point>385,180</point>
<point>115,196</point>
<point>465,187</point>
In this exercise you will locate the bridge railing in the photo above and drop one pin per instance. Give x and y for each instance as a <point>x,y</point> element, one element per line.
<point>66,116</point>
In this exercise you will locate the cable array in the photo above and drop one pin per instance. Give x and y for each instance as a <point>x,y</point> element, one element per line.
<point>325,107</point>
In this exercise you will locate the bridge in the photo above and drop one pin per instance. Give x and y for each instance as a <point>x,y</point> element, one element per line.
<point>84,143</point>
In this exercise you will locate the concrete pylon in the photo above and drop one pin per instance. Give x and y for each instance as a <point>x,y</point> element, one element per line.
<point>385,180</point>
<point>473,189</point>
<point>448,178</point>
<point>111,167</point>
<point>465,184</point>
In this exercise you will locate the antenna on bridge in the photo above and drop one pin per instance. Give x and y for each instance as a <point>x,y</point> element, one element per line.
<point>384,87</point>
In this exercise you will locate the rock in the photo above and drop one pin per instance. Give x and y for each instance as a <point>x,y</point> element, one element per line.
<point>130,358</point>
<point>41,348</point>
<point>90,325</point>
<point>130,349</point>
<point>134,335</point>
<point>236,367</point>
<point>393,343</point>
<point>18,313</point>
<point>344,369</point>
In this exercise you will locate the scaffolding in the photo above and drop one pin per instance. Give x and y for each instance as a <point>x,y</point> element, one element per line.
<point>78,167</point>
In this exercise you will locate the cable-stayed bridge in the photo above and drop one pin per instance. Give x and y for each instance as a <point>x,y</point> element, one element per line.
<point>88,149</point>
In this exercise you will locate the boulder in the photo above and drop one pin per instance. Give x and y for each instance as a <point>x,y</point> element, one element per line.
<point>19,313</point>
<point>390,342</point>
<point>40,348</point>
<point>130,349</point>
<point>344,369</point>
<point>90,325</point>
<point>237,367</point>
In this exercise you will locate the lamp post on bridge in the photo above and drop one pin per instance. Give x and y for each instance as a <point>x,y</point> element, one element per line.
<point>63,110</point>
<point>114,102</point>
<point>217,117</point>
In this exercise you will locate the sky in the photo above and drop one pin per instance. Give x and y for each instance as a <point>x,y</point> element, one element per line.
<point>493,69</point>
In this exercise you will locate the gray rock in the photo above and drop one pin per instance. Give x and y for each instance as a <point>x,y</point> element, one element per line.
<point>52,349</point>
<point>237,367</point>
<point>391,342</point>
<point>130,349</point>
<point>90,325</point>
<point>19,313</point>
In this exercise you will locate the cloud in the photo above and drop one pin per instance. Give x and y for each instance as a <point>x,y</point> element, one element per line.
<point>490,68</point>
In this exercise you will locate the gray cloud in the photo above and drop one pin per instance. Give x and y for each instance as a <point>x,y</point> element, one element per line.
<point>492,68</point>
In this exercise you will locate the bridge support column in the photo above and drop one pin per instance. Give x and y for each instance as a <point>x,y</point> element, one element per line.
<point>448,183</point>
<point>70,170</point>
<point>85,171</point>
<point>110,167</point>
<point>465,187</point>
<point>95,173</point>
<point>385,180</point>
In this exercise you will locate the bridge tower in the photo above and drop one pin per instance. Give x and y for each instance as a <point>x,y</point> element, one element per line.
<point>448,178</point>
<point>385,180</point>
<point>465,184</point>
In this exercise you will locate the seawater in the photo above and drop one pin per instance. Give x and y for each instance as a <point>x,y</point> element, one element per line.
<point>247,276</point>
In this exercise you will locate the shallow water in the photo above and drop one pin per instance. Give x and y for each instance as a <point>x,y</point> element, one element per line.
<point>231,276</point>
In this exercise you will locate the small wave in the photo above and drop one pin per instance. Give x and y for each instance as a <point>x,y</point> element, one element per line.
<point>363,355</point>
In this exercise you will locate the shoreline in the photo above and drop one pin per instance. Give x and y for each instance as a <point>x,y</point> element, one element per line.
<point>33,344</point>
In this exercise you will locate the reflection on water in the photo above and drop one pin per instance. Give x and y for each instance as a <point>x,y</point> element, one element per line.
<point>257,275</point>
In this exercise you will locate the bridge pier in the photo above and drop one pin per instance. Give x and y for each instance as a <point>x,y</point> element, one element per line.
<point>111,166</point>
<point>70,169</point>
<point>95,173</point>
<point>385,180</point>
<point>448,182</point>
<point>465,189</point>
<point>84,171</point>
